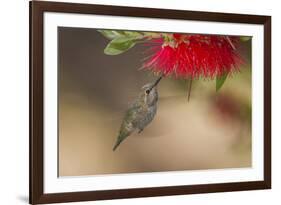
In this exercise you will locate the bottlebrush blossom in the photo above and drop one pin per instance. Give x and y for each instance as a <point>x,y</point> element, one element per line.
<point>194,56</point>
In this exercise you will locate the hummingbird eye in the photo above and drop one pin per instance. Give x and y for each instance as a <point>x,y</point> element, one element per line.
<point>147,92</point>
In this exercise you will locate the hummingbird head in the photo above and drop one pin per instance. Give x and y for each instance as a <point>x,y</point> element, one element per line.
<point>150,92</point>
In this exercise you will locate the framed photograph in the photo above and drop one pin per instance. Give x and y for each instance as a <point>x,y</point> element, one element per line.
<point>138,102</point>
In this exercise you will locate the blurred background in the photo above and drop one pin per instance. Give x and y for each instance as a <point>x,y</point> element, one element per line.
<point>211,131</point>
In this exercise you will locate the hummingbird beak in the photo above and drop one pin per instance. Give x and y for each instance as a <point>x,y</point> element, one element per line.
<point>156,82</point>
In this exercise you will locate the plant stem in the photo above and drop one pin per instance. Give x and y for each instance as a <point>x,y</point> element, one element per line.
<point>230,42</point>
<point>189,89</point>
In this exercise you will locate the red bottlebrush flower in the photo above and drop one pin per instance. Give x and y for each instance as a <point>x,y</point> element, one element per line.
<point>185,56</point>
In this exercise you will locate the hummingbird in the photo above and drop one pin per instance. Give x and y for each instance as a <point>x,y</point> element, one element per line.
<point>140,113</point>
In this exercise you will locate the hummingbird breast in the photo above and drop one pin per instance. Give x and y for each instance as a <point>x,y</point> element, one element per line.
<point>147,116</point>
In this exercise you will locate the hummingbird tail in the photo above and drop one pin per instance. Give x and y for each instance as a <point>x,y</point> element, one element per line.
<point>116,145</point>
<point>120,139</point>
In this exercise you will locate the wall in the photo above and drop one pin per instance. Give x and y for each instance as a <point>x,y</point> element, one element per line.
<point>14,101</point>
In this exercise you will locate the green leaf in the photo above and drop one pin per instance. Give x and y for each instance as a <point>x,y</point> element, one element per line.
<point>119,45</point>
<point>133,34</point>
<point>220,81</point>
<point>245,38</point>
<point>152,34</point>
<point>111,34</point>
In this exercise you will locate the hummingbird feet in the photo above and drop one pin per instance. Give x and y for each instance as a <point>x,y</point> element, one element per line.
<point>140,130</point>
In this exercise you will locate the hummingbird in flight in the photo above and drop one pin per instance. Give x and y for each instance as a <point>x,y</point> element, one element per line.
<point>140,113</point>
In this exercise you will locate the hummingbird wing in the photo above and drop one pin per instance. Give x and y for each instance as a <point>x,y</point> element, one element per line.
<point>129,123</point>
